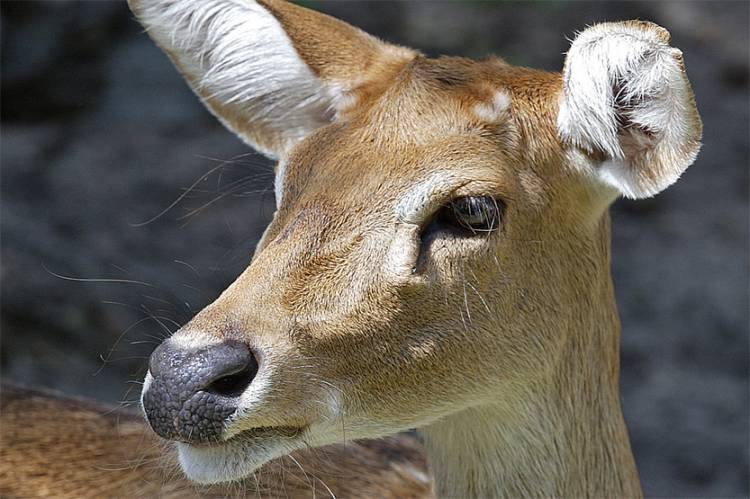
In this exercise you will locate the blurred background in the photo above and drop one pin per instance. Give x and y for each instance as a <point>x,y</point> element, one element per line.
<point>126,208</point>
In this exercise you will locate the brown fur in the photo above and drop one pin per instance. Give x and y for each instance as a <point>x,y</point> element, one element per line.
<point>335,50</point>
<point>57,446</point>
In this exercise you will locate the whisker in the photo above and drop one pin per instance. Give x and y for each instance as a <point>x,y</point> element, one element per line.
<point>179,198</point>
<point>82,279</point>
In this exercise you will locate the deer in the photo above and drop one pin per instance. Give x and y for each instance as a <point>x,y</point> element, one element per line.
<point>439,257</point>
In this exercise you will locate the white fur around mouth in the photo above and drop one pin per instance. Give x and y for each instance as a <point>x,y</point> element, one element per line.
<point>237,458</point>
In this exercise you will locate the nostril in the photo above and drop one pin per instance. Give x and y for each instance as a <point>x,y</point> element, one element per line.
<point>233,384</point>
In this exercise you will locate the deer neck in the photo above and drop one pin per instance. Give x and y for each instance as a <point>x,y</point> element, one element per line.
<point>560,435</point>
<point>549,445</point>
<point>477,453</point>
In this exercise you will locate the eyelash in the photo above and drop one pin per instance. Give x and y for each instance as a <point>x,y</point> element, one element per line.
<point>468,216</point>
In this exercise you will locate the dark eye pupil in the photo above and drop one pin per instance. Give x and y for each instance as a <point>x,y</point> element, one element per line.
<point>473,214</point>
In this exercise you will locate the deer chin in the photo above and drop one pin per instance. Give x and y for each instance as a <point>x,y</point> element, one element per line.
<point>238,457</point>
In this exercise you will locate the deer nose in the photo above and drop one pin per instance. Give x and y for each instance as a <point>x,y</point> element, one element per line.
<point>193,392</point>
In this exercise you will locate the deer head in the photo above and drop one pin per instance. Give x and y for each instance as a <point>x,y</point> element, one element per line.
<point>439,257</point>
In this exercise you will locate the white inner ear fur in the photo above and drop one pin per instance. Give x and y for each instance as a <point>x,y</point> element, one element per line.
<point>625,93</point>
<point>278,182</point>
<point>238,54</point>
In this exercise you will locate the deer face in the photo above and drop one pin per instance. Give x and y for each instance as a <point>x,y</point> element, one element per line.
<point>439,224</point>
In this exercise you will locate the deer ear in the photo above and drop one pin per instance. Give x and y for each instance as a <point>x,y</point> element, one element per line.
<point>271,71</point>
<point>627,100</point>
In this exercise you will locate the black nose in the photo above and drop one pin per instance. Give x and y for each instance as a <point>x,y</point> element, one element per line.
<point>193,392</point>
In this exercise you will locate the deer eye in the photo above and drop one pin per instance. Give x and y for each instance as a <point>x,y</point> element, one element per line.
<point>471,215</point>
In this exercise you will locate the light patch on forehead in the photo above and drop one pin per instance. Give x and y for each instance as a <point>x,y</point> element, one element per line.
<point>496,110</point>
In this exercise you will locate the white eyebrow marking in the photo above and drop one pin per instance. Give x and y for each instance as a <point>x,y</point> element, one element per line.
<point>424,198</point>
<point>496,110</point>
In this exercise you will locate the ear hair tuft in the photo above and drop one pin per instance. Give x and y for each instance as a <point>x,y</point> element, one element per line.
<point>626,94</point>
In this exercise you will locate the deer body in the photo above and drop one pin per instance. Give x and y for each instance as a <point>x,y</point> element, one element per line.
<point>63,447</point>
<point>439,258</point>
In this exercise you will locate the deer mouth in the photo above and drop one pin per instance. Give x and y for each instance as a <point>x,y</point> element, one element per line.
<point>252,434</point>
<point>269,432</point>
<point>240,455</point>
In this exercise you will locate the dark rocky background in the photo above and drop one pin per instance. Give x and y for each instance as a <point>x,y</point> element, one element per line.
<point>99,134</point>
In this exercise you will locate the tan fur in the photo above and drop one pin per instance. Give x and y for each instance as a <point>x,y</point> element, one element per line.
<point>502,350</point>
<point>57,446</point>
<point>335,50</point>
